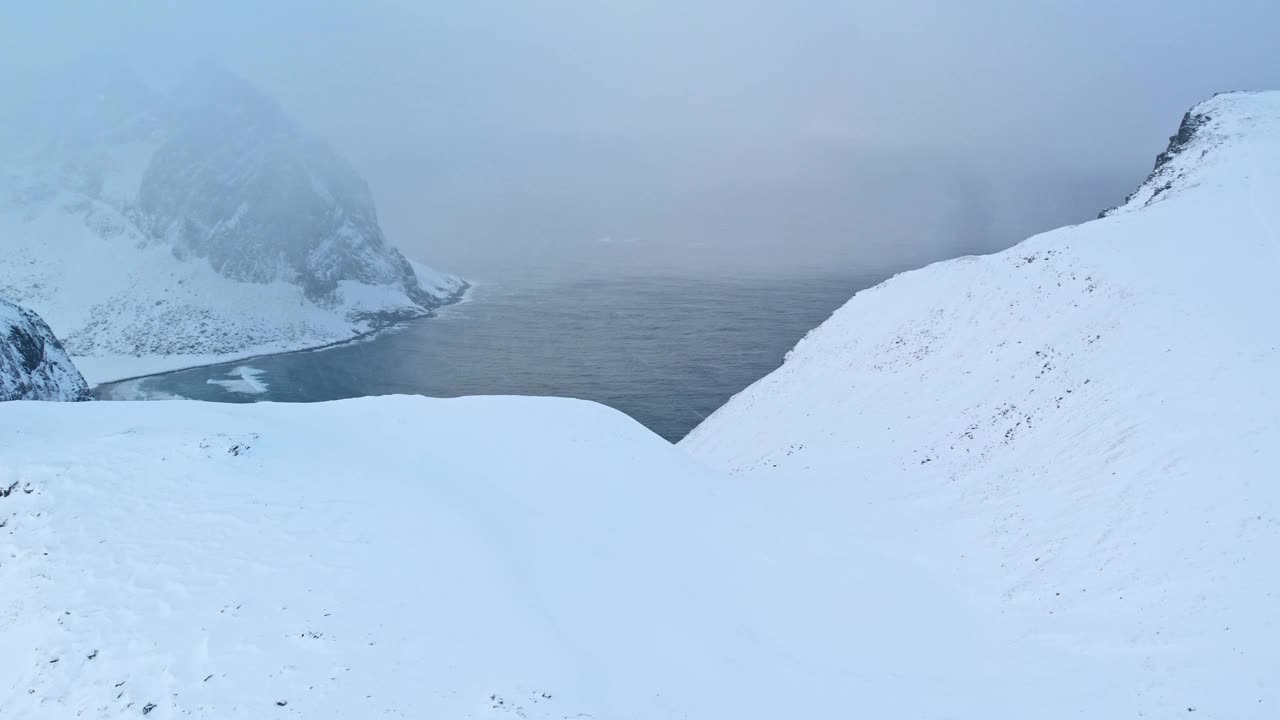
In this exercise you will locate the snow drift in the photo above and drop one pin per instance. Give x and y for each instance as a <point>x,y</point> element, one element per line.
<point>33,364</point>
<point>201,223</point>
<point>396,556</point>
<point>1076,440</point>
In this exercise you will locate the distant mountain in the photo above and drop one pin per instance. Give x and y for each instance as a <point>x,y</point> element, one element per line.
<point>33,364</point>
<point>199,222</point>
<point>1068,450</point>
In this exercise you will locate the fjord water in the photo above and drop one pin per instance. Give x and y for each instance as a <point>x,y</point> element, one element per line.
<point>667,348</point>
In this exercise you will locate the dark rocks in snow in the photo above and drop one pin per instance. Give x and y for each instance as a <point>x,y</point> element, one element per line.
<point>1188,132</point>
<point>1191,122</point>
<point>33,363</point>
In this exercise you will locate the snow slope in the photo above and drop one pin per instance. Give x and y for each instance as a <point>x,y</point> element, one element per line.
<point>33,364</point>
<point>411,557</point>
<point>1076,439</point>
<point>159,231</point>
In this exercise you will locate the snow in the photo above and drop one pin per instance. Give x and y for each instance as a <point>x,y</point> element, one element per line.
<point>114,368</point>
<point>243,380</point>
<point>395,556</point>
<point>128,163</point>
<point>1074,441</point>
<point>438,283</point>
<point>109,369</point>
<point>136,389</point>
<point>127,308</point>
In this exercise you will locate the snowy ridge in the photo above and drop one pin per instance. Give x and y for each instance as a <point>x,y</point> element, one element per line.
<point>198,224</point>
<point>1076,439</point>
<point>1196,155</point>
<point>494,558</point>
<point>33,364</point>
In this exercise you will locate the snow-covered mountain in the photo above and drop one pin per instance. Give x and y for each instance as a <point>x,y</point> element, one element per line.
<point>33,364</point>
<point>200,222</point>
<point>1072,447</point>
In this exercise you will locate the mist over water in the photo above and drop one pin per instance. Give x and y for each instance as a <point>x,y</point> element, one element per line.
<point>656,200</point>
<point>556,204</point>
<point>741,134</point>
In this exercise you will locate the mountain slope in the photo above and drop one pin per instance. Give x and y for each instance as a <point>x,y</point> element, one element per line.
<point>33,364</point>
<point>198,223</point>
<point>1077,439</point>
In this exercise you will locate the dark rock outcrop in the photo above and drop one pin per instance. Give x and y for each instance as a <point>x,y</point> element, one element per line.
<point>1193,131</point>
<point>33,364</point>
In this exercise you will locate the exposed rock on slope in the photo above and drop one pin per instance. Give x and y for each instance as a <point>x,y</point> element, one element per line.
<point>33,364</point>
<point>1076,439</point>
<point>1194,132</point>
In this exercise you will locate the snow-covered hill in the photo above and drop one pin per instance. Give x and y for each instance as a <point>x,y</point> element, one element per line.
<point>157,231</point>
<point>1077,441</point>
<point>33,364</point>
<point>408,557</point>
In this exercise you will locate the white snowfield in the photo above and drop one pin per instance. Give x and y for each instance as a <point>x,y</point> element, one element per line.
<point>1077,441</point>
<point>387,557</point>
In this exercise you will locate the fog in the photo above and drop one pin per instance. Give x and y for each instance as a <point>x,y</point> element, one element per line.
<point>716,135</point>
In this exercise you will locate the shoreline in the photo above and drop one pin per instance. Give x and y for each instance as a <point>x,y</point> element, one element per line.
<point>253,354</point>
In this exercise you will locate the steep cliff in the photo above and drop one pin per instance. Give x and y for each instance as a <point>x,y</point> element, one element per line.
<point>33,364</point>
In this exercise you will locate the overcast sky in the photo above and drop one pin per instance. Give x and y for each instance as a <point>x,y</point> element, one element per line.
<point>913,129</point>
